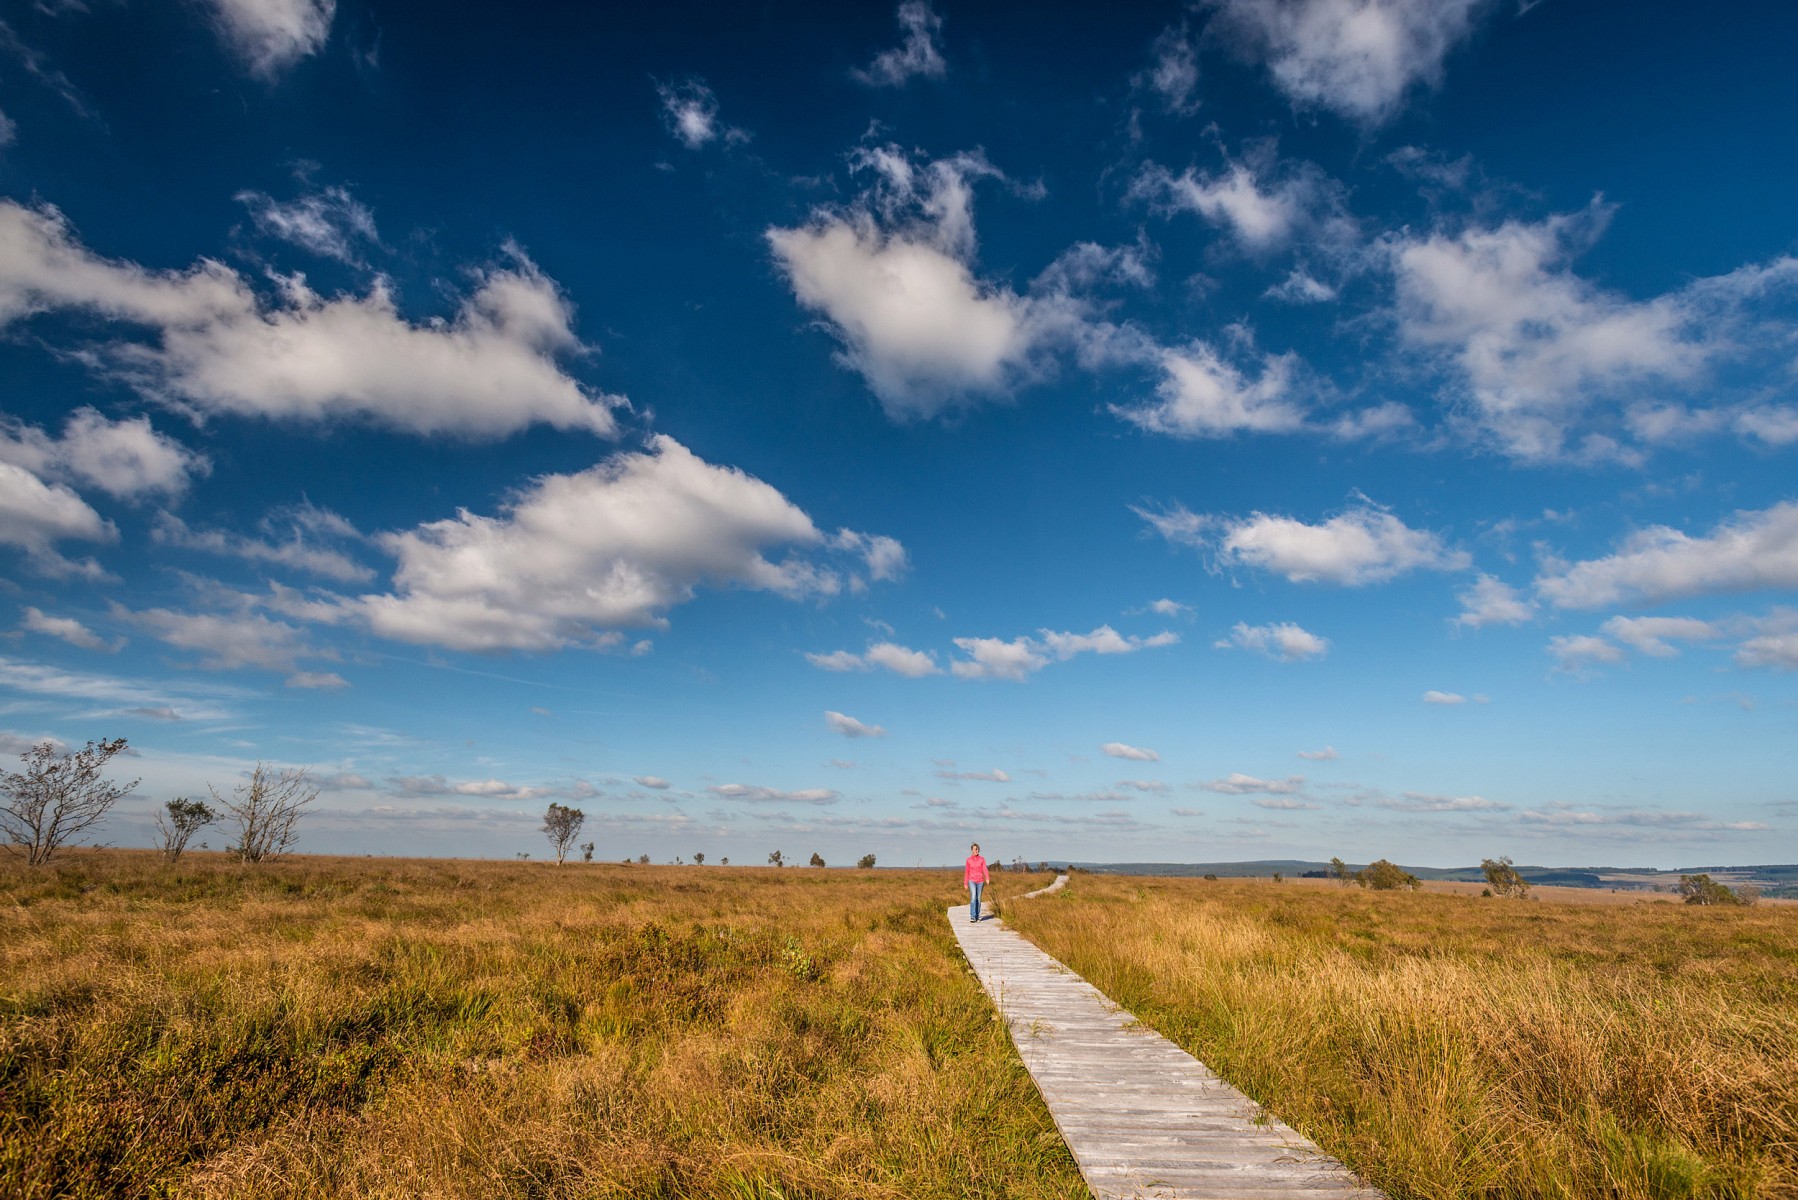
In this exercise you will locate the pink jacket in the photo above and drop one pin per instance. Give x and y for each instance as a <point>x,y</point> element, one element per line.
<point>975,871</point>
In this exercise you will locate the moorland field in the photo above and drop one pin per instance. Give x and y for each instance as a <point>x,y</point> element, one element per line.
<point>373,1027</point>
<point>379,1027</point>
<point>1449,1045</point>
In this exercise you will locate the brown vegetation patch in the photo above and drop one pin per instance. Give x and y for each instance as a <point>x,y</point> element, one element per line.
<point>356,1027</point>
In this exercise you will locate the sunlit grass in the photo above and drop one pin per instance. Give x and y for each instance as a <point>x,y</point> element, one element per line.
<point>346,1027</point>
<point>1451,1046</point>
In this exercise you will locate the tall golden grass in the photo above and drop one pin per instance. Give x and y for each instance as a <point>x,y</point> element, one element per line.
<point>380,1028</point>
<point>1452,1046</point>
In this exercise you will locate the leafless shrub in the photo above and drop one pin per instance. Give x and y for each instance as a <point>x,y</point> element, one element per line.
<point>56,797</point>
<point>266,808</point>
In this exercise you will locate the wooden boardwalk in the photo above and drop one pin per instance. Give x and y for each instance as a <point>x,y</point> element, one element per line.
<point>1145,1120</point>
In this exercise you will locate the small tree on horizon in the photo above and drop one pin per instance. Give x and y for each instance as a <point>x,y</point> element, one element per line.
<point>1384,876</point>
<point>56,797</point>
<point>586,851</point>
<point>699,858</point>
<point>817,859</point>
<point>178,821</point>
<point>865,862</point>
<point>777,859</point>
<point>1702,889</point>
<point>266,808</point>
<point>643,860</point>
<point>725,861</point>
<point>561,825</point>
<point>1340,873</point>
<point>1503,878</point>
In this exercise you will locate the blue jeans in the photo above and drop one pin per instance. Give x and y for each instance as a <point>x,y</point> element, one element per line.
<point>974,905</point>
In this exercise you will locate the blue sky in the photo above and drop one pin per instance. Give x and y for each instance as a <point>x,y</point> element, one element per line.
<point>1255,429</point>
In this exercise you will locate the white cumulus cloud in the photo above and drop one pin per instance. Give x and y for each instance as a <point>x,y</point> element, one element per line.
<point>1260,201</point>
<point>1122,750</point>
<point>488,371</point>
<point>69,630</point>
<point>270,36</point>
<point>1358,58</point>
<point>1749,551</point>
<point>317,680</point>
<point>126,459</point>
<point>1173,75</point>
<point>1361,546</point>
<point>1238,784</point>
<point>330,223</point>
<point>226,641</point>
<point>691,110</point>
<point>306,547</point>
<point>918,55</point>
<point>573,558</point>
<point>849,727</point>
<point>1534,348</point>
<point>1776,649</point>
<point>1282,641</point>
<point>1203,396</point>
<point>1422,802</point>
<point>1023,656</point>
<point>892,276</point>
<point>890,656</point>
<point>1575,654</point>
<point>35,515</point>
<point>1491,601</point>
<point>1656,635</point>
<point>755,794</point>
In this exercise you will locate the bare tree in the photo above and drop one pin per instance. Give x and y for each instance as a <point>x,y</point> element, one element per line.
<point>1502,878</point>
<point>178,821</point>
<point>266,810</point>
<point>561,825</point>
<point>56,797</point>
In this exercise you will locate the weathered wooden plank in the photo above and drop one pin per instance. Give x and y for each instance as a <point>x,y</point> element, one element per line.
<point>1144,1119</point>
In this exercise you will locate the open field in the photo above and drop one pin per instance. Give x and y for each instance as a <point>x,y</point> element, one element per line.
<point>1452,1046</point>
<point>1549,893</point>
<point>374,1027</point>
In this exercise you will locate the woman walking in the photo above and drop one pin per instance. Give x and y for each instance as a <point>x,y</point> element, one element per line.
<point>974,875</point>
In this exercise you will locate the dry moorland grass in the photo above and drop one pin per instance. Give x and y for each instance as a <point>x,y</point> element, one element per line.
<point>1451,1046</point>
<point>361,1027</point>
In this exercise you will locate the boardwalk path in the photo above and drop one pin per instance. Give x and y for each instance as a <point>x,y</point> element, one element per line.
<point>1144,1119</point>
